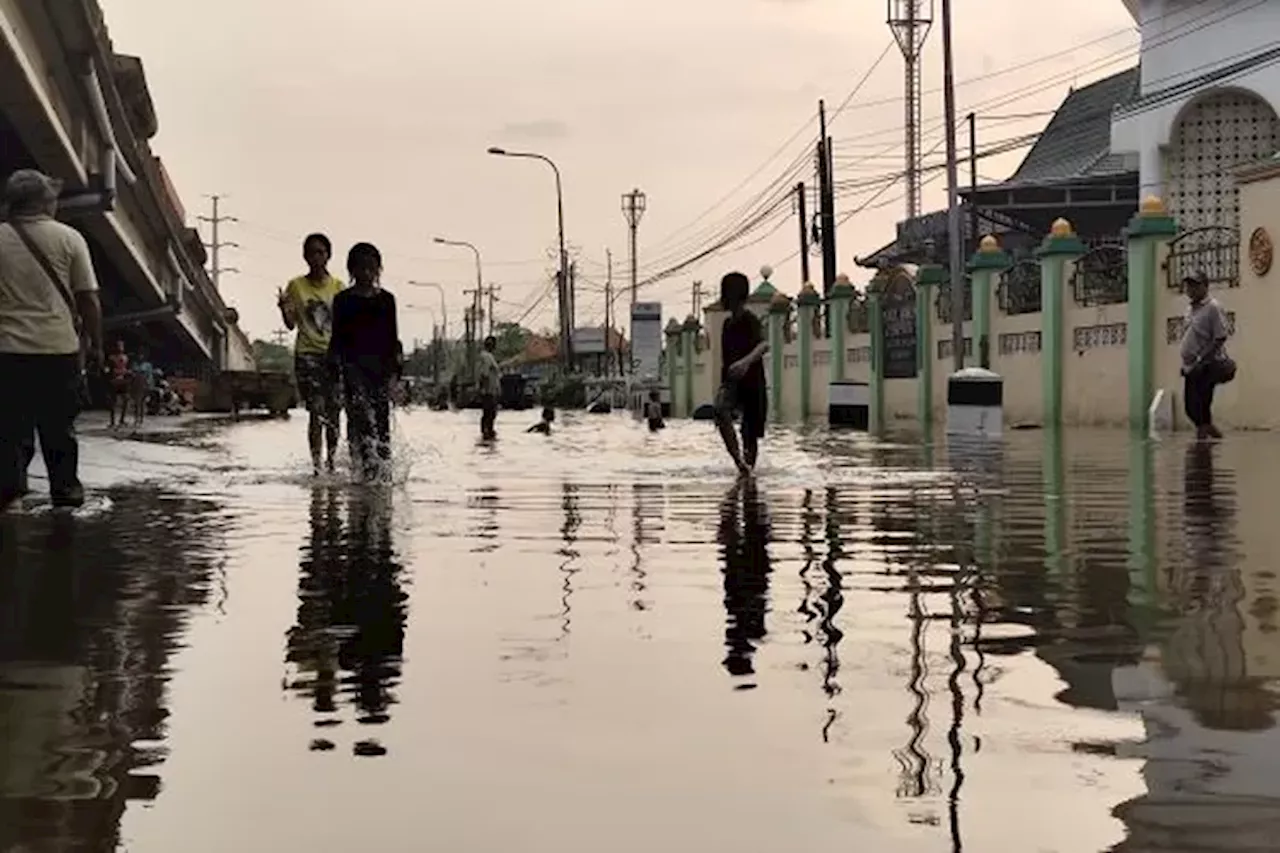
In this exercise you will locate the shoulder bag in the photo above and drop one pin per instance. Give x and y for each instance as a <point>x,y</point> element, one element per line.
<point>63,290</point>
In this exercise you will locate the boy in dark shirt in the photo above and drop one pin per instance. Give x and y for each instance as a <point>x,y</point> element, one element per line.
<point>742,384</point>
<point>366,351</point>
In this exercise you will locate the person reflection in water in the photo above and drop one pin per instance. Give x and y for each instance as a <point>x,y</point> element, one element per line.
<point>1206,655</point>
<point>744,539</point>
<point>366,353</point>
<point>351,614</point>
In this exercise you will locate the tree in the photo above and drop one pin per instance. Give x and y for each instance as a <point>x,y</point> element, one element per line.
<point>512,338</point>
<point>272,357</point>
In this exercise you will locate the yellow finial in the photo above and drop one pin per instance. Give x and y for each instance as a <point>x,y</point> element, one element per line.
<point>1153,205</point>
<point>1061,228</point>
<point>989,244</point>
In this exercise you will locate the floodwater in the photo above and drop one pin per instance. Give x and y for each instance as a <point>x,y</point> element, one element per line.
<point>597,641</point>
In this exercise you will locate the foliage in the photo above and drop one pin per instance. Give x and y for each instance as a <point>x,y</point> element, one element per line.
<point>563,392</point>
<point>272,357</point>
<point>512,338</point>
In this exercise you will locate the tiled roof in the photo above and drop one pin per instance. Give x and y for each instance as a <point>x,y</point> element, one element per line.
<point>1077,141</point>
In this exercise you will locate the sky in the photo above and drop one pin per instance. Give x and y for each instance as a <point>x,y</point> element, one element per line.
<point>371,120</point>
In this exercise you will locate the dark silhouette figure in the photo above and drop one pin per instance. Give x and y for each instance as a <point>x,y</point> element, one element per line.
<point>744,539</point>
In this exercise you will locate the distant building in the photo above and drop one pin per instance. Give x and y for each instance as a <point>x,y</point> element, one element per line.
<point>592,356</point>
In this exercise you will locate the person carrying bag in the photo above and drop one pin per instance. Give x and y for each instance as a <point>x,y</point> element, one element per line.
<point>50,329</point>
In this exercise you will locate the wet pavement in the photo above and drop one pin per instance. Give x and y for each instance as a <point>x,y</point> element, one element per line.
<point>597,641</point>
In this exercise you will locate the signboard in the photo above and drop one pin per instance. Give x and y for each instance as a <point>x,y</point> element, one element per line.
<point>588,340</point>
<point>900,338</point>
<point>646,339</point>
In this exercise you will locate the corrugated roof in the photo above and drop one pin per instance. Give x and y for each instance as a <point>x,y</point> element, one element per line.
<point>1077,140</point>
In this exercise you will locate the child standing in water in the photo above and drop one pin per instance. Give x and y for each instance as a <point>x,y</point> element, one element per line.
<point>366,352</point>
<point>653,411</point>
<point>742,385</point>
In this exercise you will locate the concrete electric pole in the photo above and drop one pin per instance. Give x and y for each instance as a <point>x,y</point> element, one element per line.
<point>633,207</point>
<point>216,244</point>
<point>492,291</point>
<point>954,237</point>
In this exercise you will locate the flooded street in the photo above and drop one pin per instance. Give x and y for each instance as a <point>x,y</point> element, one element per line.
<point>596,641</point>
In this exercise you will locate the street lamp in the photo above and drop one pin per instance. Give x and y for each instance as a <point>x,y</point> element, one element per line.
<point>566,301</point>
<point>475,312</point>
<point>444,309</point>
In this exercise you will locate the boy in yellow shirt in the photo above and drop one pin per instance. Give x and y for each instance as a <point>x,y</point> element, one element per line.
<point>306,304</point>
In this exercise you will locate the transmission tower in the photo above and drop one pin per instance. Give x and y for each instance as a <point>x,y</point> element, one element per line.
<point>910,22</point>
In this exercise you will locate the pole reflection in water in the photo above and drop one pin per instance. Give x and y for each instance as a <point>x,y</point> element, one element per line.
<point>832,598</point>
<point>648,512</point>
<point>349,639</point>
<point>744,552</point>
<point>568,568</point>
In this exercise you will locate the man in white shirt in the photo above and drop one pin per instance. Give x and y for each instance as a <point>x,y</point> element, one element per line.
<point>50,323</point>
<point>490,380</point>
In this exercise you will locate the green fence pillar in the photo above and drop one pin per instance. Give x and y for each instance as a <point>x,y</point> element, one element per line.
<point>1062,245</point>
<point>987,263</point>
<point>875,316</point>
<point>807,307</point>
<point>1147,230</point>
<point>689,336</point>
<point>675,358</point>
<point>779,311</point>
<point>841,297</point>
<point>927,282</point>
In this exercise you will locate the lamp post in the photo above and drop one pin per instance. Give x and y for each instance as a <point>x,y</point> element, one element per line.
<point>566,298</point>
<point>444,310</point>
<point>435,340</point>
<point>476,300</point>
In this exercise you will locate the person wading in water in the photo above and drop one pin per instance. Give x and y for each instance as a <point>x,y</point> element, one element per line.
<point>366,352</point>
<point>306,304</point>
<point>490,387</point>
<point>742,384</point>
<point>50,324</point>
<point>1205,363</point>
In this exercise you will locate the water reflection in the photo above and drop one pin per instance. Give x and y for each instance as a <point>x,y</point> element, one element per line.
<point>349,638</point>
<point>91,609</point>
<point>744,553</point>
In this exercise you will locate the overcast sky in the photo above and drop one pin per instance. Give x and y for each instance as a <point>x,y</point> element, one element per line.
<point>370,121</point>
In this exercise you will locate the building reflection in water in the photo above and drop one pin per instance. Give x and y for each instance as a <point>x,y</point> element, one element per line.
<point>348,643</point>
<point>91,610</point>
<point>743,537</point>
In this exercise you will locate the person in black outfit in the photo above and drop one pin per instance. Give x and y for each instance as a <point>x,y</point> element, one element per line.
<point>365,349</point>
<point>742,384</point>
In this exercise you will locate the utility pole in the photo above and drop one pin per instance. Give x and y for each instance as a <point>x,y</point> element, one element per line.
<point>695,302</point>
<point>492,290</point>
<point>634,204</point>
<point>472,321</point>
<point>279,336</point>
<point>608,311</point>
<point>973,176</point>
<point>953,196</point>
<point>828,197</point>
<point>216,245</point>
<point>803,213</point>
